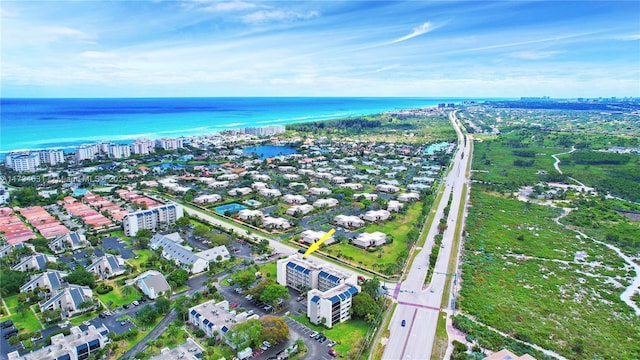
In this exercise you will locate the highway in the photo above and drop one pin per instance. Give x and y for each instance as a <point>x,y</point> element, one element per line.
<point>419,307</point>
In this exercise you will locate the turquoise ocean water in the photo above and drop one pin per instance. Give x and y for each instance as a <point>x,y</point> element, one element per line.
<point>66,123</point>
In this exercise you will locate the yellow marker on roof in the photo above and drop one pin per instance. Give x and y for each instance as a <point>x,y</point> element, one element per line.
<point>316,245</point>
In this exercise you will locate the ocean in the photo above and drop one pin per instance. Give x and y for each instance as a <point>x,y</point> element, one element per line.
<point>66,123</point>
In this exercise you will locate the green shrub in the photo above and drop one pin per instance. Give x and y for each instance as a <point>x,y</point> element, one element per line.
<point>104,289</point>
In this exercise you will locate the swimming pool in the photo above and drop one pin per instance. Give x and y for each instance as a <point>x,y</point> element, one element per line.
<point>232,208</point>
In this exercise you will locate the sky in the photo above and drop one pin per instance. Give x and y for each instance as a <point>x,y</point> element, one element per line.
<point>319,48</point>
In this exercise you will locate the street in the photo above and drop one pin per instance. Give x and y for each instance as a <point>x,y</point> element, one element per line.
<point>419,306</point>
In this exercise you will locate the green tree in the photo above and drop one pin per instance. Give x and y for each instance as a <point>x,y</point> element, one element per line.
<point>128,290</point>
<point>80,276</point>
<point>244,279</point>
<point>274,329</point>
<point>200,230</point>
<point>178,278</point>
<point>163,305</point>
<point>11,281</point>
<point>362,305</point>
<point>371,287</point>
<point>248,333</point>
<point>147,315</point>
<point>274,292</point>
<point>183,221</point>
<point>143,236</point>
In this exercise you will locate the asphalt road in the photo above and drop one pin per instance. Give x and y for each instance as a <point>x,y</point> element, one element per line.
<point>276,245</point>
<point>419,305</point>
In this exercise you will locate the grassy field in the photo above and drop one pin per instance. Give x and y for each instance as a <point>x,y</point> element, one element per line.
<point>397,228</point>
<point>269,270</point>
<point>117,298</point>
<point>345,334</point>
<point>493,162</point>
<point>25,322</point>
<point>142,258</point>
<point>519,276</point>
<point>441,340</point>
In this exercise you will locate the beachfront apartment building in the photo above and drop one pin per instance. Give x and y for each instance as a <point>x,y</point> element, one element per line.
<point>330,291</point>
<point>22,161</point>
<point>143,147</point>
<point>86,152</point>
<point>78,345</point>
<point>51,157</point>
<point>170,144</point>
<point>119,151</point>
<point>152,219</point>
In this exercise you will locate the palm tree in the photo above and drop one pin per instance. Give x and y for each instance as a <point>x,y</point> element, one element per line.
<point>127,290</point>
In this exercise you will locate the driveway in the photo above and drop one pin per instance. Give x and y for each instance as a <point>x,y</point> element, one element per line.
<point>316,350</point>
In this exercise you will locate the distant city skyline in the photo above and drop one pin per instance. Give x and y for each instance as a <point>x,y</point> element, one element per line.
<point>320,48</point>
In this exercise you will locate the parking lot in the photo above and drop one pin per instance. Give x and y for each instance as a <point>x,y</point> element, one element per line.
<point>317,350</point>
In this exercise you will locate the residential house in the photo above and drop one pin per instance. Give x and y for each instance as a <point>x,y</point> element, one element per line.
<point>153,284</point>
<point>50,279</point>
<point>319,191</point>
<point>207,199</point>
<point>299,209</point>
<point>349,221</point>
<point>366,240</point>
<point>294,199</point>
<point>325,203</point>
<point>247,214</point>
<point>366,196</point>
<point>390,189</point>
<point>394,206</point>
<point>68,241</point>
<point>35,262</point>
<point>240,191</point>
<point>376,215</point>
<point>312,236</point>
<point>407,197</point>
<point>277,223</point>
<point>352,186</point>
<point>107,266</point>
<point>270,193</point>
<point>69,300</point>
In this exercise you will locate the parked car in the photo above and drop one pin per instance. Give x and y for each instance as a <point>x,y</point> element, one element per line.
<point>313,334</point>
<point>403,323</point>
<point>6,324</point>
<point>333,353</point>
<point>235,305</point>
<point>135,303</point>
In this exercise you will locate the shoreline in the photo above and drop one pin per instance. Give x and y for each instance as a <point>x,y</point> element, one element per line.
<point>127,139</point>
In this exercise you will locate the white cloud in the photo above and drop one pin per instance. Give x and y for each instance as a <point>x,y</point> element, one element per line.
<point>534,55</point>
<point>66,32</point>
<point>222,6</point>
<point>631,37</point>
<point>97,55</point>
<point>417,31</point>
<point>263,16</point>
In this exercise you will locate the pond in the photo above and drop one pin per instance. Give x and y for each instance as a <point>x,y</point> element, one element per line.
<point>267,151</point>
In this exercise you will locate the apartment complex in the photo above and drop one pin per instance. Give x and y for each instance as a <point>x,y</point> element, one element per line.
<point>151,219</point>
<point>215,319</point>
<point>22,162</point>
<point>330,291</point>
<point>78,345</point>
